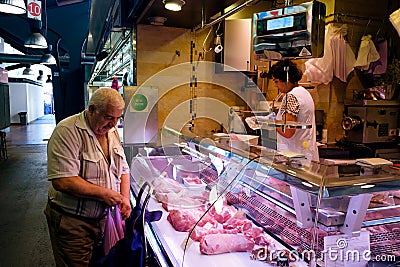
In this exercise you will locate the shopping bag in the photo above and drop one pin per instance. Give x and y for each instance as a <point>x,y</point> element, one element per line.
<point>119,223</point>
<point>132,249</point>
<point>113,230</point>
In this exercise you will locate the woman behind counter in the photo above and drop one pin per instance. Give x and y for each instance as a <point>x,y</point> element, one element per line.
<point>299,108</point>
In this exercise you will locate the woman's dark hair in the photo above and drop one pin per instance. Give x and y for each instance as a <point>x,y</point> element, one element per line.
<point>278,71</point>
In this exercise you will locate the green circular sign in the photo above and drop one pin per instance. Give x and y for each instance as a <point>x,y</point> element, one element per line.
<point>139,102</point>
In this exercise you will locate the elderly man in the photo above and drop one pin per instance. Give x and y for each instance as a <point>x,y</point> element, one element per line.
<point>88,172</point>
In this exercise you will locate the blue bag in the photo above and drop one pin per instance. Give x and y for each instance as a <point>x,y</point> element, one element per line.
<point>132,249</point>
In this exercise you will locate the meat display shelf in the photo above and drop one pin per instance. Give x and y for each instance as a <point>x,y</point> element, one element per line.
<point>173,243</point>
<point>300,206</point>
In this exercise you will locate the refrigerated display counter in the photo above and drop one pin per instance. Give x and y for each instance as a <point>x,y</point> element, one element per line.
<point>227,207</point>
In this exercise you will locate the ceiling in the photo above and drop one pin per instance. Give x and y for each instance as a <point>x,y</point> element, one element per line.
<point>194,14</point>
<point>75,26</point>
<point>189,17</point>
<point>125,13</point>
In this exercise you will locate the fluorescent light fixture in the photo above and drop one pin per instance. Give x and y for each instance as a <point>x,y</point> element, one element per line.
<point>12,6</point>
<point>174,5</point>
<point>47,58</point>
<point>366,186</point>
<point>307,184</point>
<point>36,40</point>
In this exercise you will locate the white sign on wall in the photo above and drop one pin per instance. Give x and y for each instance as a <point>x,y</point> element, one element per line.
<point>34,9</point>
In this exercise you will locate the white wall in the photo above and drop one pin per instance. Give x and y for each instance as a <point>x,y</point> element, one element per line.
<point>237,43</point>
<point>26,97</point>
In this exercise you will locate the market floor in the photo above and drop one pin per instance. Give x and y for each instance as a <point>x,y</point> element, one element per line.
<point>24,238</point>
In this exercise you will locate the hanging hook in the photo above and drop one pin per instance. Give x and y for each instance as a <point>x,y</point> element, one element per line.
<point>380,27</point>
<point>366,27</point>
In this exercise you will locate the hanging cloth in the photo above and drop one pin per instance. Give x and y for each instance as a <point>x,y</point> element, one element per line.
<point>338,59</point>
<point>379,67</point>
<point>395,20</point>
<point>367,53</point>
<point>342,54</point>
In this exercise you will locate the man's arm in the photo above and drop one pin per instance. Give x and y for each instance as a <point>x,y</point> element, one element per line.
<point>125,188</point>
<point>79,187</point>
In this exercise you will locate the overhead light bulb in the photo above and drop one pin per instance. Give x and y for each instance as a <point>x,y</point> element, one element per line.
<point>12,6</point>
<point>48,58</point>
<point>28,71</point>
<point>174,5</point>
<point>36,40</point>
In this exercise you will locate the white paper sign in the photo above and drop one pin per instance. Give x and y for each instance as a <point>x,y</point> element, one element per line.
<point>34,9</point>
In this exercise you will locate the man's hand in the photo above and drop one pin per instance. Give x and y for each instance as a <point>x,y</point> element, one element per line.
<point>111,197</point>
<point>125,208</point>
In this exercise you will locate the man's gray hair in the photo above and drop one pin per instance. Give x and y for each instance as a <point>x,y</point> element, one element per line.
<point>105,96</point>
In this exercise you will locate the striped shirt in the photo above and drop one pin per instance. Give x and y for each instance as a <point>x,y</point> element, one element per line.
<point>73,150</point>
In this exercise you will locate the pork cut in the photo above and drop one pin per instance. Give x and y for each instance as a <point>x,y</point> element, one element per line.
<point>183,220</point>
<point>199,232</point>
<point>223,243</point>
<point>227,212</point>
<point>239,222</point>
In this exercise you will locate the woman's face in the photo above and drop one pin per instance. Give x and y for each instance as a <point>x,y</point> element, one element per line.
<point>102,121</point>
<point>281,85</point>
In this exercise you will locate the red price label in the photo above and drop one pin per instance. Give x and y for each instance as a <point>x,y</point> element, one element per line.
<point>34,9</point>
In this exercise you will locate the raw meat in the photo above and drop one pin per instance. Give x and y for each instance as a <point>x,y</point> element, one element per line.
<point>227,213</point>
<point>239,222</point>
<point>199,232</point>
<point>253,232</point>
<point>183,220</point>
<point>258,235</point>
<point>263,240</point>
<point>224,243</point>
<point>166,185</point>
<point>192,180</point>
<point>174,201</point>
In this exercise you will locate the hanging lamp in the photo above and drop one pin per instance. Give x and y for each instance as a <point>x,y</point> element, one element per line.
<point>12,6</point>
<point>48,58</point>
<point>174,5</point>
<point>36,40</point>
<point>28,71</point>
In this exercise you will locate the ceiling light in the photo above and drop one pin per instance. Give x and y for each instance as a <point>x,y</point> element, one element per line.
<point>36,40</point>
<point>48,58</point>
<point>28,71</point>
<point>174,5</point>
<point>12,6</point>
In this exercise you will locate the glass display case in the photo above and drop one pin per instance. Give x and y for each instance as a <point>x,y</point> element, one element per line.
<point>222,206</point>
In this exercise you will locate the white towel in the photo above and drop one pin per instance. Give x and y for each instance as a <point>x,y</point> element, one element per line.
<point>367,53</point>
<point>338,59</point>
<point>395,20</point>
